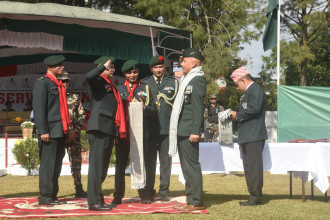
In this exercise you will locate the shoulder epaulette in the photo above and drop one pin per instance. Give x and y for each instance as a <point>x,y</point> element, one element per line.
<point>40,78</point>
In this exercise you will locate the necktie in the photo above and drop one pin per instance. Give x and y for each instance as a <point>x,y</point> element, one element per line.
<point>158,81</point>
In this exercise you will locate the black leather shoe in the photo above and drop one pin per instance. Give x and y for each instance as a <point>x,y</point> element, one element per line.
<point>112,206</point>
<point>80,195</point>
<point>53,202</point>
<point>59,202</point>
<point>116,202</point>
<point>165,198</point>
<point>145,201</point>
<point>99,207</point>
<point>248,203</point>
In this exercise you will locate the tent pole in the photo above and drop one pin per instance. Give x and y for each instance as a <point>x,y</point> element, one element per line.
<point>278,40</point>
<point>152,43</point>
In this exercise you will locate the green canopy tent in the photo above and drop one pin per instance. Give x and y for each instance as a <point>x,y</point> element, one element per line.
<point>31,32</point>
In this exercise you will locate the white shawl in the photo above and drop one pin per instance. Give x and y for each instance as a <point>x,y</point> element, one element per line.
<point>177,106</point>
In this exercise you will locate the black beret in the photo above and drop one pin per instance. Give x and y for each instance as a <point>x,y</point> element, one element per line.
<point>156,60</point>
<point>129,65</point>
<point>54,60</point>
<point>104,59</point>
<point>193,52</point>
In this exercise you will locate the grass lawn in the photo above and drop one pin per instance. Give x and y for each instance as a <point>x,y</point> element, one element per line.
<point>222,194</point>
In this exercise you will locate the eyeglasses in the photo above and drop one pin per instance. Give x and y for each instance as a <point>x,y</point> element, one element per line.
<point>65,81</point>
<point>213,98</point>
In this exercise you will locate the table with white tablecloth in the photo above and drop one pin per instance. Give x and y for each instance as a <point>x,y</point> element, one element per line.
<point>278,158</point>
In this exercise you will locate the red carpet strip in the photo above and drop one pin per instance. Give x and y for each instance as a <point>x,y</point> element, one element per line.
<point>28,208</point>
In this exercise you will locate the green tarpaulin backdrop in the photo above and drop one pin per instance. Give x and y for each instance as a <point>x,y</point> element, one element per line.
<point>303,113</point>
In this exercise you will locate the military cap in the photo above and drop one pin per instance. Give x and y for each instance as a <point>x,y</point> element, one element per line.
<point>64,76</point>
<point>129,65</point>
<point>156,60</point>
<point>193,52</point>
<point>104,59</point>
<point>53,60</point>
<point>213,96</point>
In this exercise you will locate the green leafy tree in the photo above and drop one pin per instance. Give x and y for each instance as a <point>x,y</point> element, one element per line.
<point>219,28</point>
<point>304,21</point>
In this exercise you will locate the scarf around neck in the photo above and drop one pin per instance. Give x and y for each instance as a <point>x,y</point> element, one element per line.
<point>177,106</point>
<point>120,115</point>
<point>129,99</point>
<point>63,103</point>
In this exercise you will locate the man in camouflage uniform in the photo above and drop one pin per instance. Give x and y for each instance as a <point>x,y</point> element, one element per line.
<point>211,117</point>
<point>73,146</point>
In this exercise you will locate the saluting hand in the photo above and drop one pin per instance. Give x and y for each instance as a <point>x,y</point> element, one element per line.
<point>107,64</point>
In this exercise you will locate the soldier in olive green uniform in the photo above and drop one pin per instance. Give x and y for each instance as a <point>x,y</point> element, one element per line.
<point>133,90</point>
<point>252,132</point>
<point>73,146</point>
<point>101,129</point>
<point>164,90</point>
<point>211,115</point>
<point>52,119</point>
<point>186,126</point>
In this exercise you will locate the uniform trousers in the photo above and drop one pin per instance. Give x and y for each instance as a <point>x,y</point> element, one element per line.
<point>160,144</point>
<point>253,168</point>
<point>122,154</point>
<point>51,157</point>
<point>191,169</point>
<point>99,158</point>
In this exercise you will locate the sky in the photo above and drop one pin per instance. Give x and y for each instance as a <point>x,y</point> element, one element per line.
<point>253,54</point>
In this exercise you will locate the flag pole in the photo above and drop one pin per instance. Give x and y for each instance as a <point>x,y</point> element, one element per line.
<point>278,41</point>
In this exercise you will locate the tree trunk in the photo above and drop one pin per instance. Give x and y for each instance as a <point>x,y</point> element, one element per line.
<point>303,72</point>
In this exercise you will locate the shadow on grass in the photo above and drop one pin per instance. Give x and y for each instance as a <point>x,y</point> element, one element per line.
<point>217,199</point>
<point>23,194</point>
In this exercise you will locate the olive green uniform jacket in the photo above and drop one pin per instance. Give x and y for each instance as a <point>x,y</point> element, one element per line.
<point>160,123</point>
<point>103,103</point>
<point>251,115</point>
<point>46,108</point>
